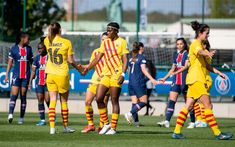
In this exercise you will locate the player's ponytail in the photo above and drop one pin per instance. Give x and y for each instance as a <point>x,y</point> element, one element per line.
<point>135,51</point>
<point>198,28</point>
<point>53,30</point>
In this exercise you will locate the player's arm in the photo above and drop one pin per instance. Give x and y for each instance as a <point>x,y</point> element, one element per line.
<point>146,73</point>
<point>32,76</point>
<point>205,53</point>
<point>169,74</point>
<point>214,70</point>
<point>124,68</point>
<point>185,67</point>
<point>9,65</point>
<point>73,62</point>
<point>93,63</point>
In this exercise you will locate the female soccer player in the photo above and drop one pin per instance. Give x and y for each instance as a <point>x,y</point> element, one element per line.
<point>91,90</point>
<point>179,71</point>
<point>114,50</point>
<point>38,69</point>
<point>60,53</point>
<point>137,82</point>
<point>196,81</point>
<point>22,56</point>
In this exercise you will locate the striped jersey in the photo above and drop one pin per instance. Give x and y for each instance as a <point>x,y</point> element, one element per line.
<point>113,51</point>
<point>22,57</point>
<point>98,68</point>
<point>40,65</point>
<point>179,60</point>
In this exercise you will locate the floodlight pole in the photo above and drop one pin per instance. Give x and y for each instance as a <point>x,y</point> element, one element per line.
<point>24,16</point>
<point>203,10</point>
<point>137,20</point>
<point>72,15</point>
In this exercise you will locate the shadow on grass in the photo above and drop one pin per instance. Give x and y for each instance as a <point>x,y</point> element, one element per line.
<point>143,132</point>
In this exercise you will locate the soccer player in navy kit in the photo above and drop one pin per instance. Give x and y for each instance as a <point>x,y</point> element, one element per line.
<point>38,69</point>
<point>22,56</point>
<point>179,71</point>
<point>137,82</point>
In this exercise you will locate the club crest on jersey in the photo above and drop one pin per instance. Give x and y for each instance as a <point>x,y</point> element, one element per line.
<point>222,85</point>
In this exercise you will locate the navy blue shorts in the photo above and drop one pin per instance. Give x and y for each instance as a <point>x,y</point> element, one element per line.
<point>20,82</point>
<point>137,91</point>
<point>179,88</point>
<point>41,89</point>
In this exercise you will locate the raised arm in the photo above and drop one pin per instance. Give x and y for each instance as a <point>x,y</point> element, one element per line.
<point>185,67</point>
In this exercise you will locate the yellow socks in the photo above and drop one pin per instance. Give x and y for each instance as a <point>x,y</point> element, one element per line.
<point>180,120</point>
<point>115,117</point>
<point>89,115</point>
<point>64,113</point>
<point>211,121</point>
<point>203,112</point>
<point>197,111</point>
<point>52,113</point>
<point>103,115</point>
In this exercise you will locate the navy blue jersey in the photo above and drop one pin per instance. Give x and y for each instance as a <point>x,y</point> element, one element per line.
<point>136,76</point>
<point>179,60</point>
<point>40,64</point>
<point>22,57</point>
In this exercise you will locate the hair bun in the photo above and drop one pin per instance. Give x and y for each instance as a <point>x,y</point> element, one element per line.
<point>195,25</point>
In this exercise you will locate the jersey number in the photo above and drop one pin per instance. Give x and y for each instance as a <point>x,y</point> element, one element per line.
<point>55,57</point>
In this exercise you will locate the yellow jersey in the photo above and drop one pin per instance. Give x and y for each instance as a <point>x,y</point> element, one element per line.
<point>98,68</point>
<point>197,69</point>
<point>113,51</point>
<point>58,52</point>
<point>209,61</point>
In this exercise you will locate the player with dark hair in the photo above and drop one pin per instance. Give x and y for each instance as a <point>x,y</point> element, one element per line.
<point>114,50</point>
<point>22,56</point>
<point>178,71</point>
<point>196,81</point>
<point>137,83</point>
<point>38,70</point>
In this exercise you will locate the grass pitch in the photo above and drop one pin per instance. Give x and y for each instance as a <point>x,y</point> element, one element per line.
<point>148,135</point>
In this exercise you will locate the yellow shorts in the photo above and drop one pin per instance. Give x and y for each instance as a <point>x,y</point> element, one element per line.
<point>92,88</point>
<point>110,81</point>
<point>56,83</point>
<point>196,90</point>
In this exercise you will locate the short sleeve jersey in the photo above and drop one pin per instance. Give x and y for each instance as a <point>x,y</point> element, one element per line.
<point>40,65</point>
<point>98,68</point>
<point>113,51</point>
<point>58,52</point>
<point>179,60</point>
<point>197,69</point>
<point>136,76</point>
<point>22,57</point>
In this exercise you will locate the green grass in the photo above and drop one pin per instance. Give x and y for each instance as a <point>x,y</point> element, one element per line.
<point>149,135</point>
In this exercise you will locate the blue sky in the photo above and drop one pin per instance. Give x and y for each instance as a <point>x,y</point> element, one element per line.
<point>164,6</point>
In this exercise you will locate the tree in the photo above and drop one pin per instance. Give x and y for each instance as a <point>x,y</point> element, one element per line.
<point>39,14</point>
<point>222,8</point>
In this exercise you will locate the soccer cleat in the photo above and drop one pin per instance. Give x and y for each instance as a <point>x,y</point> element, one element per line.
<point>151,111</point>
<point>111,131</point>
<point>224,136</point>
<point>68,130</point>
<point>52,131</point>
<point>191,125</point>
<point>105,129</point>
<point>10,118</point>
<point>177,136</point>
<point>20,121</point>
<point>88,128</point>
<point>41,123</point>
<point>129,117</point>
<point>99,129</point>
<point>138,124</point>
<point>164,123</point>
<point>200,124</point>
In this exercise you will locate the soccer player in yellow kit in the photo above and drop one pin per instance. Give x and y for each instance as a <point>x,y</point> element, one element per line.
<point>114,50</point>
<point>60,53</point>
<point>91,90</point>
<point>196,81</point>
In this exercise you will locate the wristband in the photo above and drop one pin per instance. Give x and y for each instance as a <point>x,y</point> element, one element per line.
<point>123,74</point>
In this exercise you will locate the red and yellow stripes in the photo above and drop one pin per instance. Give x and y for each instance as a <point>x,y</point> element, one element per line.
<point>115,117</point>
<point>104,115</point>
<point>52,113</point>
<point>180,120</point>
<point>211,121</point>
<point>112,58</point>
<point>203,112</point>
<point>89,115</point>
<point>197,111</point>
<point>65,113</point>
<point>99,66</point>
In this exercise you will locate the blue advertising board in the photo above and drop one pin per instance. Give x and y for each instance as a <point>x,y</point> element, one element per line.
<point>79,83</point>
